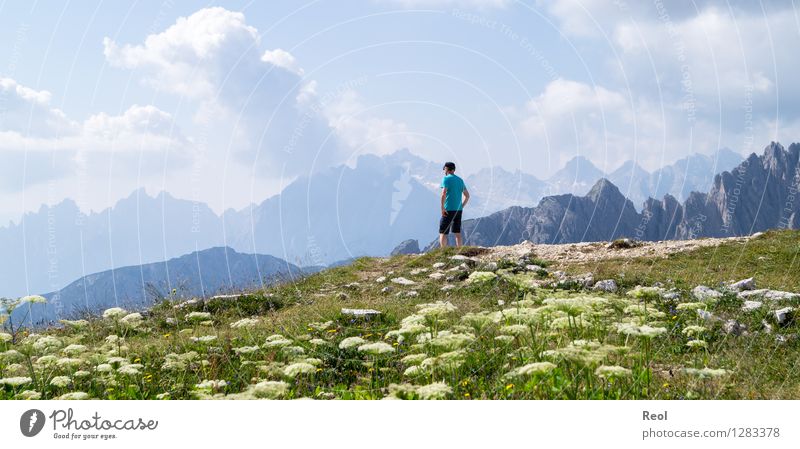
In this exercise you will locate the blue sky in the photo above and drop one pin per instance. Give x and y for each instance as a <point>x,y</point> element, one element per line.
<point>226,102</point>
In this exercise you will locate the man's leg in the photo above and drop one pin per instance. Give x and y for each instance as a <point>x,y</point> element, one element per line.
<point>442,240</point>
<point>456,227</point>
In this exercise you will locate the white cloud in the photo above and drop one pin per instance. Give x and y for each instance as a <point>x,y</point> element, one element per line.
<point>191,57</point>
<point>480,4</point>
<point>255,100</point>
<point>720,72</point>
<point>282,58</point>
<point>39,143</point>
<point>357,128</point>
<point>28,112</point>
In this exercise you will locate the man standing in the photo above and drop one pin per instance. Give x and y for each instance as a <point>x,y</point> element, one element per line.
<point>452,189</point>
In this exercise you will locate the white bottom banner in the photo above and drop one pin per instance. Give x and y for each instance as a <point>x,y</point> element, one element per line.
<point>400,424</point>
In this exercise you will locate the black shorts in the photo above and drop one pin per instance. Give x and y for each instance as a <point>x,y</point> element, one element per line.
<point>452,219</point>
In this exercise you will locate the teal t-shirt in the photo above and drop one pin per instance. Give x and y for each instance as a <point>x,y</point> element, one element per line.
<point>455,188</point>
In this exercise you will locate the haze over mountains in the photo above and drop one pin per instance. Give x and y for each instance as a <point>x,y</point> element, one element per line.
<point>758,194</point>
<point>336,214</point>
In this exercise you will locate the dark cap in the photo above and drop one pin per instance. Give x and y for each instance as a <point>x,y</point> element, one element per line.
<point>450,165</point>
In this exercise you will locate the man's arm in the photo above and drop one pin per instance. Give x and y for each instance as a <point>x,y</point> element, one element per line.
<point>466,198</point>
<point>444,195</point>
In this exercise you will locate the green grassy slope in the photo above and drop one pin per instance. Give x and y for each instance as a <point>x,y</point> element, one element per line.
<point>491,336</point>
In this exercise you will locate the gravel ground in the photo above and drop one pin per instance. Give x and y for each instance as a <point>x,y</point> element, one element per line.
<point>595,251</point>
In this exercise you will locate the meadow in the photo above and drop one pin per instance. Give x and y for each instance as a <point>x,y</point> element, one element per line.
<point>449,324</point>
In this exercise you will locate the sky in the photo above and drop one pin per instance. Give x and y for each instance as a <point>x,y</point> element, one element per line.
<point>227,102</point>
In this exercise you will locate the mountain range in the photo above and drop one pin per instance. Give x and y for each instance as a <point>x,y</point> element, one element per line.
<point>333,215</point>
<point>758,194</point>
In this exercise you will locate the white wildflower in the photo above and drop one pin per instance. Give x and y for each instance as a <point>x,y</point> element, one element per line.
<point>114,313</point>
<point>130,370</point>
<point>277,341</point>
<point>74,349</point>
<point>30,395</point>
<point>351,342</point>
<point>198,316</point>
<point>376,348</point>
<point>245,323</point>
<point>33,299</point>
<point>294,369</point>
<point>697,344</point>
<point>480,277</point>
<point>640,331</point>
<point>204,338</point>
<point>609,371</point>
<point>47,343</point>
<point>269,389</point>
<point>515,329</point>
<point>15,381</point>
<point>412,371</point>
<point>437,390</point>
<point>435,309</point>
<point>246,350</point>
<point>60,381</point>
<point>131,320</point>
<point>211,384</point>
<point>413,359</point>
<point>74,396</point>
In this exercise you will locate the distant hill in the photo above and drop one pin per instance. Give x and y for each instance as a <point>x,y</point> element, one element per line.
<point>199,274</point>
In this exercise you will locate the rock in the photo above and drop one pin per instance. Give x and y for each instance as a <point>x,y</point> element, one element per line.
<point>417,271</point>
<point>447,287</point>
<point>560,275</point>
<point>585,280</point>
<point>771,295</point>
<point>767,327</point>
<point>226,296</point>
<point>403,281</point>
<point>381,279</point>
<point>361,313</point>
<point>439,265</point>
<point>777,295</point>
<point>744,284</point>
<point>783,316</point>
<point>733,327</point>
<point>706,294</point>
<point>464,259</point>
<point>352,285</point>
<point>412,293</point>
<point>671,295</point>
<point>606,285</point>
<point>459,275</point>
<point>749,306</point>
<point>491,266</point>
<point>533,267</point>
<point>437,275</point>
<point>342,296</point>
<point>705,315</point>
<point>387,289</point>
<point>410,246</point>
